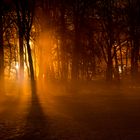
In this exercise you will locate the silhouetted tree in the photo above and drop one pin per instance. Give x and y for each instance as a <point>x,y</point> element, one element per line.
<point>1,40</point>
<point>21,16</point>
<point>30,9</point>
<point>134,31</point>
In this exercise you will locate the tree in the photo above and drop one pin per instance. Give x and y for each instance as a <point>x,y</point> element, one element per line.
<point>134,31</point>
<point>21,16</point>
<point>1,41</point>
<point>30,9</point>
<point>25,14</point>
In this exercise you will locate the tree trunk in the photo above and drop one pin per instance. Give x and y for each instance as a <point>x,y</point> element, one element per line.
<point>109,66</point>
<point>121,57</point>
<point>64,69</point>
<point>134,58</point>
<point>110,40</point>
<point>75,58</point>
<point>21,32</point>
<point>92,48</point>
<point>1,49</point>
<point>30,61</point>
<point>116,71</point>
<point>21,52</point>
<point>33,86</point>
<point>109,75</point>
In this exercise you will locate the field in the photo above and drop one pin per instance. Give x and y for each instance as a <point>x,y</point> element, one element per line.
<point>79,111</point>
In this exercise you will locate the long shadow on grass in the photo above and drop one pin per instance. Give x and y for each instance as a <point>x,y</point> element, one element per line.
<point>36,127</point>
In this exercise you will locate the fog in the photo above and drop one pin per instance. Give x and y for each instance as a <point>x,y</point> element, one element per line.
<point>69,70</point>
<point>69,110</point>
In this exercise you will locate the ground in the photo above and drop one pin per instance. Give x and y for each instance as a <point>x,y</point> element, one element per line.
<point>85,111</point>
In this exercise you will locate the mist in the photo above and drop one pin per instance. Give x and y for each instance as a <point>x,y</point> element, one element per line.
<point>69,110</point>
<point>69,70</point>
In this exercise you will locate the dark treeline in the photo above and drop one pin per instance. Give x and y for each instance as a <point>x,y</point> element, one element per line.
<point>70,39</point>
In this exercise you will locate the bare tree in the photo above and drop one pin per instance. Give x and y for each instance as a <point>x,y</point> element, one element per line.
<point>134,31</point>
<point>21,16</point>
<point>1,41</point>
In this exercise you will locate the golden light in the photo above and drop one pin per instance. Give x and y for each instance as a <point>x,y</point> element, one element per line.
<point>17,66</point>
<point>120,69</point>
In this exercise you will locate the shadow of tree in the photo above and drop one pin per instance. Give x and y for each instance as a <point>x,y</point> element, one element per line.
<point>36,127</point>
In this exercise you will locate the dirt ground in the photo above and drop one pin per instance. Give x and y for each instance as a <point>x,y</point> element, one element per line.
<point>73,112</point>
